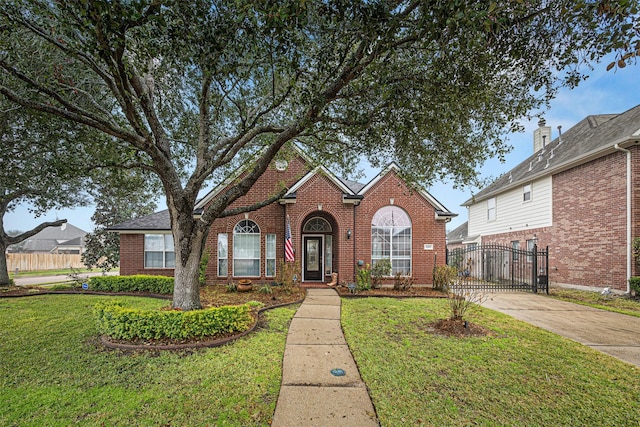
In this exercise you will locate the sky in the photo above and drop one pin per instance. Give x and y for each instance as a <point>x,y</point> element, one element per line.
<point>604,92</point>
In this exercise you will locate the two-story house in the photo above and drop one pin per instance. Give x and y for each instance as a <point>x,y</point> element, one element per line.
<point>576,194</point>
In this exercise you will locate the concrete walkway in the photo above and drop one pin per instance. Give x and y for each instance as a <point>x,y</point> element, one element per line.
<point>311,393</point>
<point>617,335</point>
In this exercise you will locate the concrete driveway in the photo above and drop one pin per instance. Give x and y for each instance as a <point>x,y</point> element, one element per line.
<point>615,334</point>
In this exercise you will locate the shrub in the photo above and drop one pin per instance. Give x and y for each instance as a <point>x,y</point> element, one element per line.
<point>289,274</point>
<point>402,283</point>
<point>444,276</point>
<point>363,278</point>
<point>118,321</point>
<point>381,268</point>
<point>634,284</point>
<point>202,269</point>
<point>137,283</point>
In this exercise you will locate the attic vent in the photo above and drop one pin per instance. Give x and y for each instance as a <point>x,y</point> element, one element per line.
<point>530,165</point>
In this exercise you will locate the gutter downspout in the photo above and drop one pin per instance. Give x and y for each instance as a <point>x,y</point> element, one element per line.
<point>629,255</point>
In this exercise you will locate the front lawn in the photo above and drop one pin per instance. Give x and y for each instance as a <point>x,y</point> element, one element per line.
<point>616,303</point>
<point>520,376</point>
<point>54,372</point>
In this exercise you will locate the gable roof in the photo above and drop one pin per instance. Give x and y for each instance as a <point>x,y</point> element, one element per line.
<point>441,211</point>
<point>593,137</point>
<point>352,192</point>
<point>52,237</point>
<point>458,234</point>
<point>158,221</point>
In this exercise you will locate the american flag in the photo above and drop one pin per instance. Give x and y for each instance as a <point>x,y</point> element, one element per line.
<point>288,245</point>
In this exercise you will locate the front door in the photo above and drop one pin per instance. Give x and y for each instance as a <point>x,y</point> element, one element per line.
<point>312,259</point>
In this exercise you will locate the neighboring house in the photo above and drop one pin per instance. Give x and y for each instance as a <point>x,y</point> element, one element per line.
<point>577,195</point>
<point>64,239</point>
<point>336,226</point>
<point>457,238</point>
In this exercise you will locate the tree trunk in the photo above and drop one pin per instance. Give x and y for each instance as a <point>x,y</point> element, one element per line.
<point>189,240</point>
<point>4,273</point>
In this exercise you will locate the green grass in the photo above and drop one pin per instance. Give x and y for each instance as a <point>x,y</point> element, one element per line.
<point>54,372</point>
<point>521,376</point>
<point>616,303</point>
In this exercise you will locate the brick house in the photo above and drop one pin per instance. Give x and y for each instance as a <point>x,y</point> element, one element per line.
<point>577,195</point>
<point>336,225</point>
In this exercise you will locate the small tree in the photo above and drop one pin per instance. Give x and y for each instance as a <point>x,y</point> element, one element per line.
<point>121,195</point>
<point>444,276</point>
<point>461,300</point>
<point>380,269</point>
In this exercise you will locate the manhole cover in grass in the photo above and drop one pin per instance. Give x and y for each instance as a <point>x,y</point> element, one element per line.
<point>337,372</point>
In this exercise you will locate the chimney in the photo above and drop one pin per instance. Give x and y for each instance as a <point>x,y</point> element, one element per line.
<point>541,135</point>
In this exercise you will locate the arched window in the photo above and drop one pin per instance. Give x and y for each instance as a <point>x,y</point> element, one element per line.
<point>391,239</point>
<point>246,249</point>
<point>317,225</point>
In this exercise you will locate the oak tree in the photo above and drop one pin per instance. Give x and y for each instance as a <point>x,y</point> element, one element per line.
<point>192,89</point>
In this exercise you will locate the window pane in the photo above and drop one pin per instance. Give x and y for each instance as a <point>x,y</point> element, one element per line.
<point>170,259</point>
<point>222,267</point>
<point>223,249</point>
<point>246,267</point>
<point>168,243</point>
<point>153,259</point>
<point>271,246</point>
<point>270,262</point>
<point>246,246</point>
<point>271,268</point>
<point>153,242</point>
<point>391,238</point>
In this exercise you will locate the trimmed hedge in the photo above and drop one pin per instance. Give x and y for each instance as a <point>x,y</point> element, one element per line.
<point>137,283</point>
<point>118,321</point>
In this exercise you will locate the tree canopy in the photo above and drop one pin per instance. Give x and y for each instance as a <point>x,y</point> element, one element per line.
<point>191,89</point>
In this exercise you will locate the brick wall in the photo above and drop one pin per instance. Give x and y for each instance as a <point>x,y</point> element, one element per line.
<point>319,196</point>
<point>132,257</point>
<point>425,228</point>
<point>587,241</point>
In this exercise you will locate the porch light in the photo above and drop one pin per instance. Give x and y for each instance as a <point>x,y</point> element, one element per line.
<point>348,234</point>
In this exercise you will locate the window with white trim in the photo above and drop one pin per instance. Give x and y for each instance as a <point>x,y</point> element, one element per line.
<point>491,209</point>
<point>391,239</point>
<point>246,249</point>
<point>526,193</point>
<point>270,255</point>
<point>159,251</point>
<point>223,254</point>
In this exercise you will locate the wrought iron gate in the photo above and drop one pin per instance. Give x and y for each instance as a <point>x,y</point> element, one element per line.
<point>500,268</point>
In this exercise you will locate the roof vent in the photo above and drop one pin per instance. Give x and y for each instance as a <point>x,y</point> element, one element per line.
<point>559,135</point>
<point>530,165</point>
<point>551,155</point>
<point>547,165</point>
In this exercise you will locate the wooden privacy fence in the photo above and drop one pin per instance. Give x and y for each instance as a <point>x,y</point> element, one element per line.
<point>37,262</point>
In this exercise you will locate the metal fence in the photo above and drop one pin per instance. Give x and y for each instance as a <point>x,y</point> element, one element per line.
<point>500,268</point>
